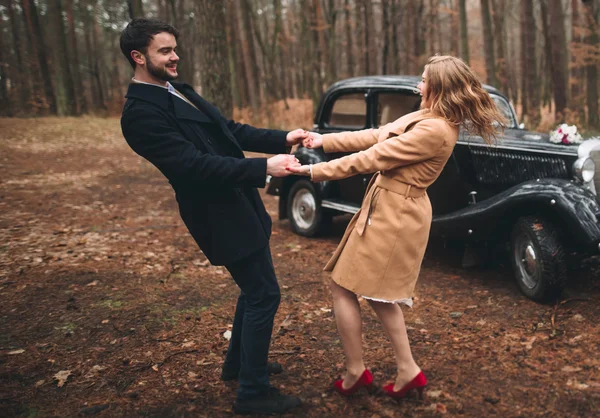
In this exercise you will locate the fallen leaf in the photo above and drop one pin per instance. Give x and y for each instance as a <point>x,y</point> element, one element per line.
<point>10,353</point>
<point>570,369</point>
<point>62,377</point>
<point>227,335</point>
<point>155,367</point>
<point>577,385</point>
<point>438,407</point>
<point>529,344</point>
<point>434,393</point>
<point>94,283</point>
<point>456,314</point>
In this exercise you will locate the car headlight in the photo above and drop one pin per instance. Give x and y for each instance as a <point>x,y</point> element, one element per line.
<point>584,169</point>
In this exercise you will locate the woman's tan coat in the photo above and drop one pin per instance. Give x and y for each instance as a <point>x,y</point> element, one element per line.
<point>381,251</point>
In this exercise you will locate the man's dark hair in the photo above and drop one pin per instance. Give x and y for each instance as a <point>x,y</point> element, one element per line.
<point>138,34</point>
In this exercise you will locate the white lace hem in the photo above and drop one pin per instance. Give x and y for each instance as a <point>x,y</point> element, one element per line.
<point>407,301</point>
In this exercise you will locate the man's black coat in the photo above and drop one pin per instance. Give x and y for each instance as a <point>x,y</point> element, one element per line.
<point>200,153</point>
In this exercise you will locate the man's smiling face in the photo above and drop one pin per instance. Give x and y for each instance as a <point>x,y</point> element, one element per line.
<point>161,58</point>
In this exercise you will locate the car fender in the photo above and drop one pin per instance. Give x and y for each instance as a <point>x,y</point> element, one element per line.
<point>567,203</point>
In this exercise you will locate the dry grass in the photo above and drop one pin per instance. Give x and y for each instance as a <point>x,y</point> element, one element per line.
<point>288,114</point>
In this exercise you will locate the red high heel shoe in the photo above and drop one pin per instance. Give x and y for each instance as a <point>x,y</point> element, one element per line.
<point>365,380</point>
<point>417,384</point>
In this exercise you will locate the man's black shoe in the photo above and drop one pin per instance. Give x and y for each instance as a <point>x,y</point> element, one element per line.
<point>228,375</point>
<point>271,403</point>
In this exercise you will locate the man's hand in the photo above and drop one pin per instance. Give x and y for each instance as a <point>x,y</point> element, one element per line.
<point>276,166</point>
<point>314,140</point>
<point>296,136</point>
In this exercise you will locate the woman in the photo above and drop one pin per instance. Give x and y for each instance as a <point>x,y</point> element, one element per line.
<point>380,254</point>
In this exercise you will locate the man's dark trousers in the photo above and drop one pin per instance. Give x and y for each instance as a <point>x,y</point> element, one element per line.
<point>253,322</point>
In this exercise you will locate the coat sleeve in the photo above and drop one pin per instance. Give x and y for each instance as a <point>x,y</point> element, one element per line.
<point>350,141</point>
<point>270,141</point>
<point>149,134</point>
<point>419,144</point>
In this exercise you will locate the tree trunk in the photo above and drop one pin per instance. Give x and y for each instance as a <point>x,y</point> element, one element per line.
<point>395,67</point>
<point>530,101</point>
<point>419,38</point>
<point>97,60</point>
<point>249,54</point>
<point>332,51</point>
<point>559,59</point>
<point>547,89</point>
<point>488,41</point>
<point>592,42</point>
<point>368,57</point>
<point>6,108</point>
<point>454,29</point>
<point>349,44</point>
<point>214,67</point>
<point>22,73</point>
<point>577,73</point>
<point>81,103</point>
<point>237,76</point>
<point>135,8</point>
<point>38,49</point>
<point>464,33</point>
<point>386,27</point>
<point>499,38</point>
<point>64,65</point>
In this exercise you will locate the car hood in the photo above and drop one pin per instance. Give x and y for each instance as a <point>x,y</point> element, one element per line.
<point>520,139</point>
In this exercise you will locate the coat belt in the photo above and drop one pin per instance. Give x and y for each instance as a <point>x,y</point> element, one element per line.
<point>380,181</point>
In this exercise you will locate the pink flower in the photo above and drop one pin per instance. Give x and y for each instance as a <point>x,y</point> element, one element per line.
<point>565,139</point>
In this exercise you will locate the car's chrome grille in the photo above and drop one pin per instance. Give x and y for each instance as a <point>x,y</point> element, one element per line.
<point>595,156</point>
<point>505,168</point>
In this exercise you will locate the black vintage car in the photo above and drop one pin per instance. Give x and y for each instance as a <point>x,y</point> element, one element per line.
<point>525,194</point>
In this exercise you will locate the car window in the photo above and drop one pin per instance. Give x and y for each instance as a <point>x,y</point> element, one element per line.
<point>504,108</point>
<point>349,111</point>
<point>393,105</point>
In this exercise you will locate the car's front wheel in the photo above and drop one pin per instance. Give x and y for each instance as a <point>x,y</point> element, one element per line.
<point>538,258</point>
<point>304,209</point>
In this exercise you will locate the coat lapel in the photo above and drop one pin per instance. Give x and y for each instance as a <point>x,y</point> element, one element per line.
<point>207,109</point>
<point>409,123</point>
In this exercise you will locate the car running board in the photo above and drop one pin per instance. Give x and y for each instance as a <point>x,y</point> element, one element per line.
<point>339,206</point>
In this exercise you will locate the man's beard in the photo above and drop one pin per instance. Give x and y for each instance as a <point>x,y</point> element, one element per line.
<point>157,72</point>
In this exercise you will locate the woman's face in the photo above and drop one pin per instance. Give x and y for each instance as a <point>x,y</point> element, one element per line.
<point>422,87</point>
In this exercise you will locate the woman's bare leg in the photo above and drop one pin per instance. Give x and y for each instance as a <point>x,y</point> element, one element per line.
<point>349,324</point>
<point>391,317</point>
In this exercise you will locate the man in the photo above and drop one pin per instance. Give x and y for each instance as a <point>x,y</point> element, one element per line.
<point>200,153</point>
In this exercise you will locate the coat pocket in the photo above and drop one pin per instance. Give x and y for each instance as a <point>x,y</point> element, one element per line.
<point>373,204</point>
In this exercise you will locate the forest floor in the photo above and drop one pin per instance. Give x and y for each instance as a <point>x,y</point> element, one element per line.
<point>109,309</point>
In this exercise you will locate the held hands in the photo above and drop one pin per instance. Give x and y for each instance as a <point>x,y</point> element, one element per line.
<point>299,170</point>
<point>296,137</point>
<point>313,141</point>
<point>278,165</point>
<point>308,139</point>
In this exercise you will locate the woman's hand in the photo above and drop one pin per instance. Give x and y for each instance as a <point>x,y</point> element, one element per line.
<point>303,170</point>
<point>296,136</point>
<point>314,140</point>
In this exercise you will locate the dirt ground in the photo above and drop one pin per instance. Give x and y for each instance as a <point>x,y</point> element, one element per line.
<point>108,308</point>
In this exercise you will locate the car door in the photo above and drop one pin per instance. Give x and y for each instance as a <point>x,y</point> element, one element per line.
<point>347,111</point>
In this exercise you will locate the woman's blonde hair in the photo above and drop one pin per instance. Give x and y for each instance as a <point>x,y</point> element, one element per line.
<point>455,94</point>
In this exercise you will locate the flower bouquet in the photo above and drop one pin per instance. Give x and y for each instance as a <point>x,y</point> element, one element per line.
<point>566,134</point>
